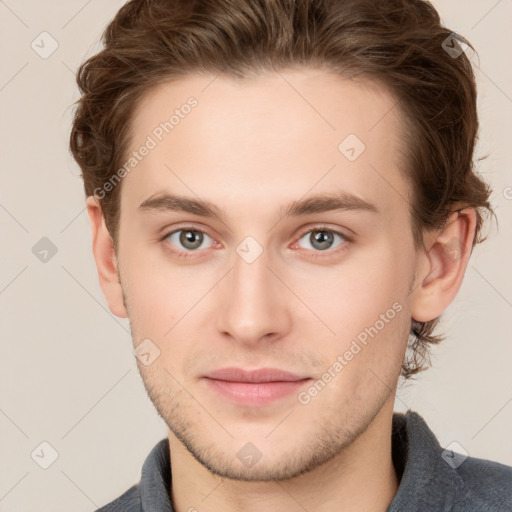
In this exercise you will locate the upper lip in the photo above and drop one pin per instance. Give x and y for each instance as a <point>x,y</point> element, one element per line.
<point>259,375</point>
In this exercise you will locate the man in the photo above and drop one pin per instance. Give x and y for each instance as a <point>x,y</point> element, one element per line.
<point>282,201</point>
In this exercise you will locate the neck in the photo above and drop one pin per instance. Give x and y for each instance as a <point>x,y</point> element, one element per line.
<point>361,477</point>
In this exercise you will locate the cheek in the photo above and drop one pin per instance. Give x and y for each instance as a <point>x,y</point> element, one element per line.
<point>153,306</point>
<point>366,306</point>
<point>164,299</point>
<point>353,295</point>
<point>151,295</point>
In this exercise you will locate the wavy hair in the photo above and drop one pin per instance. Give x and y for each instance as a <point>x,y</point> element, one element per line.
<point>400,43</point>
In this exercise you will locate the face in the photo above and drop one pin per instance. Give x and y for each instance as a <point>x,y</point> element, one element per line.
<point>269,229</point>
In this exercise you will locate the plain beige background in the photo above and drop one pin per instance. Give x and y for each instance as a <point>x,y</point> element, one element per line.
<point>68,376</point>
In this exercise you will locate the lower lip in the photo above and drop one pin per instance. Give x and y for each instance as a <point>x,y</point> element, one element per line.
<point>255,393</point>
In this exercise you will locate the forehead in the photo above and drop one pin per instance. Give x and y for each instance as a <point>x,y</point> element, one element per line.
<point>267,138</point>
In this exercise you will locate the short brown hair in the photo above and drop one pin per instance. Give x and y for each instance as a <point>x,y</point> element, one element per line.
<point>400,43</point>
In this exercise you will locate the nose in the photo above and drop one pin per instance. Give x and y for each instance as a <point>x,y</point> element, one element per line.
<point>254,305</point>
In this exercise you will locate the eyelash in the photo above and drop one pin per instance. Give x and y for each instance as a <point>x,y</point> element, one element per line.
<point>329,252</point>
<point>316,254</point>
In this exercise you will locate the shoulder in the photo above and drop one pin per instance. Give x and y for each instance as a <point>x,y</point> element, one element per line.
<point>435,479</point>
<point>152,492</point>
<point>487,485</point>
<point>130,501</point>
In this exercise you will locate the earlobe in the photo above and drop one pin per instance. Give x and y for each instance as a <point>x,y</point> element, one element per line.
<point>443,264</point>
<point>106,259</point>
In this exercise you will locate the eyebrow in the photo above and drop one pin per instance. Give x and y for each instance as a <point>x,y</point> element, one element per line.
<point>314,204</point>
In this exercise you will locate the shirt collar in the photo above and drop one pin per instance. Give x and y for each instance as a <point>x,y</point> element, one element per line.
<point>427,481</point>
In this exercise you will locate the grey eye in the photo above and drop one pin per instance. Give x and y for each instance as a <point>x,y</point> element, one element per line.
<point>189,239</point>
<point>321,239</point>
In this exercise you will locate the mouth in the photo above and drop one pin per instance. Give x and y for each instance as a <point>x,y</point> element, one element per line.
<point>254,388</point>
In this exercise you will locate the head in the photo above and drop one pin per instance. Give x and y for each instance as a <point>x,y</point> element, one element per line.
<point>242,124</point>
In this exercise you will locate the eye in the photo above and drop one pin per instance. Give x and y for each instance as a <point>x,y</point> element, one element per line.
<point>189,239</point>
<point>322,239</point>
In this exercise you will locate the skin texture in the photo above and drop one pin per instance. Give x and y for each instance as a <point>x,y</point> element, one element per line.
<point>251,147</point>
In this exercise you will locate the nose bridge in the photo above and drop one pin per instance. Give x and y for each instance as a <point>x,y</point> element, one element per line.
<point>251,305</point>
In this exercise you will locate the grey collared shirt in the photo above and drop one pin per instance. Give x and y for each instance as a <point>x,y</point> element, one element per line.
<point>431,479</point>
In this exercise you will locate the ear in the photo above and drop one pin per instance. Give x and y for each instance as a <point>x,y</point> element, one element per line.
<point>106,259</point>
<point>442,265</point>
